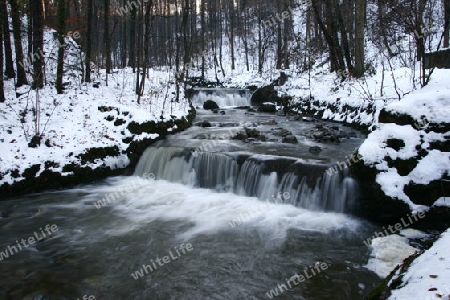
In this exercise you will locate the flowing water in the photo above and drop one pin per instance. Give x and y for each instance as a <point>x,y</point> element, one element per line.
<point>217,219</point>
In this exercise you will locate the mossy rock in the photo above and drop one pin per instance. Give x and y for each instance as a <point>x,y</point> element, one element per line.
<point>98,153</point>
<point>210,105</point>
<point>399,119</point>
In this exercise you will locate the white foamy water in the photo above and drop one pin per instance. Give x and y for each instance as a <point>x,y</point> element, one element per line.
<point>210,212</point>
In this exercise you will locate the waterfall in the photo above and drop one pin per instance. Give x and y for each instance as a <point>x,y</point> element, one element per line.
<point>223,97</point>
<point>307,185</point>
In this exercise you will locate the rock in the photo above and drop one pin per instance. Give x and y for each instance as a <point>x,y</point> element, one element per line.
<point>318,135</point>
<point>210,105</point>
<point>267,107</point>
<point>271,122</point>
<point>252,133</point>
<point>290,139</point>
<point>216,111</point>
<point>222,112</point>
<point>241,135</point>
<point>395,144</point>
<point>308,119</point>
<point>201,137</point>
<point>263,95</point>
<point>262,138</point>
<point>315,150</point>
<point>205,124</point>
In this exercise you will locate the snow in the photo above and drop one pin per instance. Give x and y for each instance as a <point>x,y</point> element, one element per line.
<point>428,277</point>
<point>71,123</point>
<point>428,105</point>
<point>388,252</point>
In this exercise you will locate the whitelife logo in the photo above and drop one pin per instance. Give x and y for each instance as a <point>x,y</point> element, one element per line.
<point>297,279</point>
<point>31,240</point>
<point>397,227</point>
<point>165,260</point>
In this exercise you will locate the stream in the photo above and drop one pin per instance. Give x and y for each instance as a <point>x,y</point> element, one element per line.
<point>232,208</point>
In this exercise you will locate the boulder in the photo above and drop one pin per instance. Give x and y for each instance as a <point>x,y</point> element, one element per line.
<point>210,105</point>
<point>263,95</point>
<point>290,139</point>
<point>315,150</point>
<point>267,107</point>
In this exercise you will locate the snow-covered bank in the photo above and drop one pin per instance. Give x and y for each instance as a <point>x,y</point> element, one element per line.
<point>92,126</point>
<point>423,275</point>
<point>428,276</point>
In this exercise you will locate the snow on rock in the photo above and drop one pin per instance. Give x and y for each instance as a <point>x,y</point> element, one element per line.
<point>387,253</point>
<point>428,105</point>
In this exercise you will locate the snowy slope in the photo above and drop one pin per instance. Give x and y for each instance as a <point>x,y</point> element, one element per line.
<point>428,277</point>
<point>72,122</point>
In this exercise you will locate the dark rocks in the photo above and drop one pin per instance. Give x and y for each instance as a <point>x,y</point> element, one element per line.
<point>263,95</point>
<point>222,112</point>
<point>281,132</point>
<point>268,108</point>
<point>427,194</point>
<point>315,150</point>
<point>290,139</point>
<point>325,134</point>
<point>352,135</point>
<point>395,144</point>
<point>271,122</point>
<point>210,105</point>
<point>252,133</point>
<point>249,135</point>
<point>241,135</point>
<point>205,124</point>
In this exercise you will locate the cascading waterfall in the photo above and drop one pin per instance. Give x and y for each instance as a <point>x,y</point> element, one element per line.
<point>309,186</point>
<point>222,97</point>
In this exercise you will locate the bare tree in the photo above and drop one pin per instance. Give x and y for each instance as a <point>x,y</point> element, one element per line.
<point>360,21</point>
<point>38,44</point>
<point>15,16</point>
<point>2,16</point>
<point>9,65</point>
<point>61,49</point>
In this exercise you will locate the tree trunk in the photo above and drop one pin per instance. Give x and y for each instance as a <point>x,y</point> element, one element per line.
<point>344,37</point>
<point>446,22</point>
<point>61,49</point>
<point>360,17</point>
<point>2,16</point>
<point>87,60</point>
<point>9,65</point>
<point>132,49</point>
<point>38,44</point>
<point>231,15</point>
<point>21,76</point>
<point>203,28</point>
<point>106,38</point>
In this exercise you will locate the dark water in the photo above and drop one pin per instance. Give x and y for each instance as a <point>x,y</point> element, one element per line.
<point>242,246</point>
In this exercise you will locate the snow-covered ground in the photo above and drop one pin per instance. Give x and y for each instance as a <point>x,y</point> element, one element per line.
<point>428,105</point>
<point>72,122</point>
<point>428,277</point>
